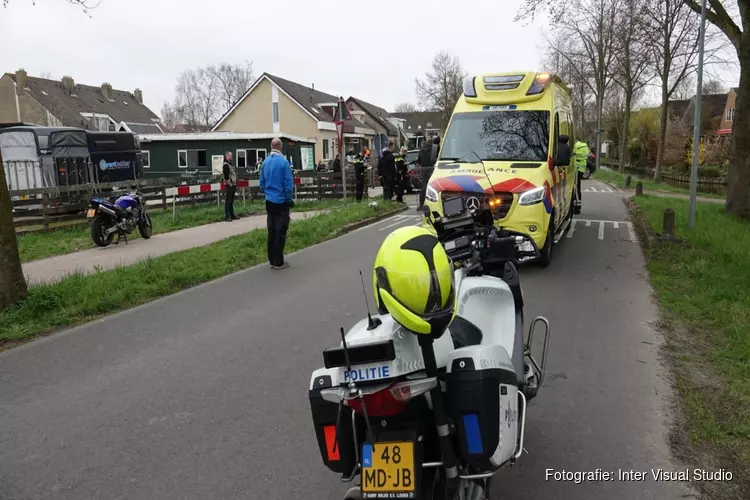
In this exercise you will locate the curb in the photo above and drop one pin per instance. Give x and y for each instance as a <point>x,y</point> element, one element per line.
<point>366,222</point>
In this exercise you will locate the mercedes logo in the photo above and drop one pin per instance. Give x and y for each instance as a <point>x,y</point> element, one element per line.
<point>472,203</point>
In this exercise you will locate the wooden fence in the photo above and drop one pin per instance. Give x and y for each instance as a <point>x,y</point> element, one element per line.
<point>716,182</point>
<point>45,208</point>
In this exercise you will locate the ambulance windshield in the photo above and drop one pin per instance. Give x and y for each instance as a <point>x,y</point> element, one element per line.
<point>498,136</point>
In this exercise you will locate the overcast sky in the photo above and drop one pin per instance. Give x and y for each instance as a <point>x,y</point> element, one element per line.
<point>147,43</point>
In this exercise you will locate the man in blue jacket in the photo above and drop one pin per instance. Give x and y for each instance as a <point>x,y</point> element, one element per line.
<point>277,184</point>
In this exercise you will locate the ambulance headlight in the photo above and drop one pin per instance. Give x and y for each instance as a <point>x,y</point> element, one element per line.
<point>431,194</point>
<point>532,196</point>
<point>469,88</point>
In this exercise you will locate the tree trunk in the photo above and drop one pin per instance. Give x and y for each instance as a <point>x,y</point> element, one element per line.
<point>624,153</point>
<point>12,282</point>
<point>662,134</point>
<point>738,177</point>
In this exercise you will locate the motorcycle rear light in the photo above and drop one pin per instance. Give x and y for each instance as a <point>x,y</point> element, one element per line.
<point>392,400</point>
<point>332,448</point>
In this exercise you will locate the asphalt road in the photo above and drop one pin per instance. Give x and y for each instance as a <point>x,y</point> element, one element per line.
<point>203,395</point>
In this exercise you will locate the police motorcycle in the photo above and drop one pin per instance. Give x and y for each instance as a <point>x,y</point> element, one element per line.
<point>433,416</point>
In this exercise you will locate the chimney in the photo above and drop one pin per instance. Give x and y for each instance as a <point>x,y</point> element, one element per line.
<point>313,86</point>
<point>22,80</point>
<point>69,85</point>
<point>138,95</point>
<point>107,91</point>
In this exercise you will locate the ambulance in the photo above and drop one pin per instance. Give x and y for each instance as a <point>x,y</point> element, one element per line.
<point>508,146</point>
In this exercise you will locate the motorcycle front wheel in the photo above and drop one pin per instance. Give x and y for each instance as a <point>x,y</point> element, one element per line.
<point>98,228</point>
<point>145,227</point>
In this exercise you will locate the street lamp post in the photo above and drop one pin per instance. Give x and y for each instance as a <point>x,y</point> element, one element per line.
<point>697,120</point>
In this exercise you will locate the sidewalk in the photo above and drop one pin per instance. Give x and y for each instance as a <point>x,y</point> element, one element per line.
<point>88,261</point>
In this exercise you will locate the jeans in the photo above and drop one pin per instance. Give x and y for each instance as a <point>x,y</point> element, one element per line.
<point>579,175</point>
<point>278,224</point>
<point>229,202</point>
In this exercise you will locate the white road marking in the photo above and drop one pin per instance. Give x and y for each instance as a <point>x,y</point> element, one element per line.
<point>592,189</point>
<point>601,225</point>
<point>572,228</point>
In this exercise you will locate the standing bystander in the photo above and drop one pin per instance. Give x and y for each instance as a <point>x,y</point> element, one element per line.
<point>230,181</point>
<point>277,185</point>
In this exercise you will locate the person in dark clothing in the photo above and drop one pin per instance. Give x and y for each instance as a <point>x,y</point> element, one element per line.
<point>402,175</point>
<point>428,154</point>
<point>359,174</point>
<point>230,181</point>
<point>337,163</point>
<point>277,185</point>
<point>387,171</point>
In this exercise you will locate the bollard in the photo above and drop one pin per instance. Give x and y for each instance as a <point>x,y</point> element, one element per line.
<point>668,224</point>
<point>628,180</point>
<point>639,188</point>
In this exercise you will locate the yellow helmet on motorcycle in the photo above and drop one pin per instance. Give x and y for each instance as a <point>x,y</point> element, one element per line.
<point>413,281</point>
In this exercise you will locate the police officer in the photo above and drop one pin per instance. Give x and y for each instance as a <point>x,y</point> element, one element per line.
<point>359,174</point>
<point>582,152</point>
<point>402,175</point>
<point>387,171</point>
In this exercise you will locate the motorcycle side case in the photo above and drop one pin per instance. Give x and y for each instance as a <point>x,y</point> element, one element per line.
<point>483,399</point>
<point>341,456</point>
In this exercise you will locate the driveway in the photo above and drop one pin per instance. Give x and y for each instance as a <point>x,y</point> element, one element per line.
<point>204,394</point>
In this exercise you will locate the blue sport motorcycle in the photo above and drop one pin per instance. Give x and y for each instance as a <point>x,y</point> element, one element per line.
<point>118,219</point>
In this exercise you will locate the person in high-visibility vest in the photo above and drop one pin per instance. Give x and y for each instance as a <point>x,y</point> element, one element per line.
<point>582,152</point>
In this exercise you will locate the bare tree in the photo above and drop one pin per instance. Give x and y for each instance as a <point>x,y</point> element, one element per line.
<point>631,69</point>
<point>441,88</point>
<point>575,73</point>
<point>170,118</point>
<point>406,107</point>
<point>206,93</point>
<point>86,5</point>
<point>590,27</point>
<point>738,177</point>
<point>233,82</point>
<point>714,86</point>
<point>12,283</point>
<point>672,35</point>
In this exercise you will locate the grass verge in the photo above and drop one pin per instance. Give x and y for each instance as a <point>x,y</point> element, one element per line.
<point>612,176</point>
<point>38,245</point>
<point>79,298</point>
<point>702,282</point>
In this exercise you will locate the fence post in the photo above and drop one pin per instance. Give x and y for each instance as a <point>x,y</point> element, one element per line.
<point>45,207</point>
<point>668,224</point>
<point>639,188</point>
<point>164,198</point>
<point>174,205</point>
<point>218,197</point>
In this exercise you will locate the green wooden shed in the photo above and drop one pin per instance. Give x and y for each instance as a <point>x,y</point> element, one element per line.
<point>175,155</point>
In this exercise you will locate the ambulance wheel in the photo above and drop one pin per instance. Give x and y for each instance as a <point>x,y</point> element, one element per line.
<point>546,254</point>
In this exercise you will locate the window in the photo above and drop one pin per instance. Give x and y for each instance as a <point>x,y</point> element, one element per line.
<point>730,114</point>
<point>100,122</point>
<point>146,158</point>
<point>498,136</point>
<point>276,112</point>
<point>326,150</point>
<point>241,158</point>
<point>192,158</point>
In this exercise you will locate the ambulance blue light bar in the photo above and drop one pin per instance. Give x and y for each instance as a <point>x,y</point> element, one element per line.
<point>541,80</point>
<point>505,82</point>
<point>469,88</point>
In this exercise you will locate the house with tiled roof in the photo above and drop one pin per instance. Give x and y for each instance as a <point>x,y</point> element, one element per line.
<point>276,105</point>
<point>54,103</point>
<point>420,123</point>
<point>375,117</point>
<point>717,112</point>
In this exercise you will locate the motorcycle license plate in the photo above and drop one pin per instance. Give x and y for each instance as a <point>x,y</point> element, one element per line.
<point>388,470</point>
<point>90,213</point>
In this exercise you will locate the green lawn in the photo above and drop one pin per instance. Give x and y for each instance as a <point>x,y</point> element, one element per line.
<point>610,175</point>
<point>33,246</point>
<point>80,298</point>
<point>703,285</point>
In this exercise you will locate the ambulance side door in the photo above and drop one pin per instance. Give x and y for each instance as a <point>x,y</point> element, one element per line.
<point>567,172</point>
